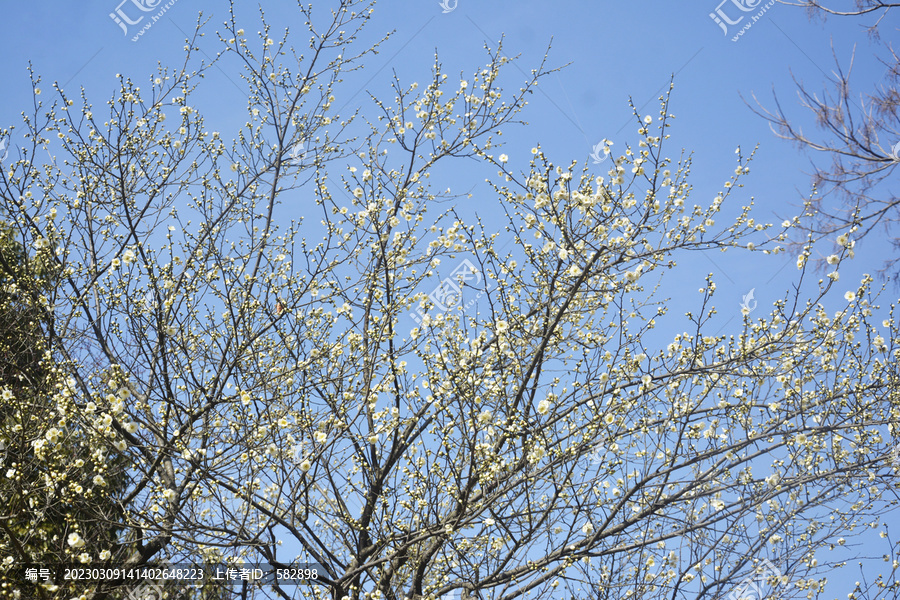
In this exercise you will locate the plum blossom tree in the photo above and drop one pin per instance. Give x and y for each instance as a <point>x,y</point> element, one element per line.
<point>529,432</point>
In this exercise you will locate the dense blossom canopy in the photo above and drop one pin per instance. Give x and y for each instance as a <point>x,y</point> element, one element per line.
<point>419,403</point>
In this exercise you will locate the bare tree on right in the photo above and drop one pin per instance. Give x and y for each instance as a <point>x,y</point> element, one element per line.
<point>857,137</point>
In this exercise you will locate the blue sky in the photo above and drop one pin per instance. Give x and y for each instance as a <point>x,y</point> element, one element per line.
<point>617,50</point>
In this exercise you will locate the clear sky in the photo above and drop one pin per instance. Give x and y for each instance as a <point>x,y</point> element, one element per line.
<point>616,50</point>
